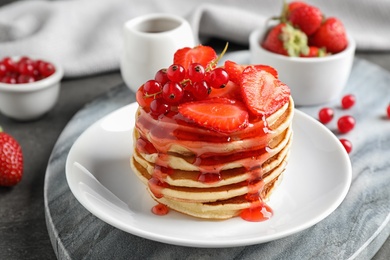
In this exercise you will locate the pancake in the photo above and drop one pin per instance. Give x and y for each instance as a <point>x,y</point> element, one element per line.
<point>172,177</point>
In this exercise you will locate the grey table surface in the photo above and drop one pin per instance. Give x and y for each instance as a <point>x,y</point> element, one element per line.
<point>23,230</point>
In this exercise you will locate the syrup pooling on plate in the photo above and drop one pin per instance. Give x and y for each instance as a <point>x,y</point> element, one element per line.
<point>217,155</point>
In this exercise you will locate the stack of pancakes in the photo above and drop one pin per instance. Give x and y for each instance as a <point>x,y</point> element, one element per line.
<point>207,174</point>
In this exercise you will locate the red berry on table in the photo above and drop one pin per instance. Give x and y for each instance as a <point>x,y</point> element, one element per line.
<point>325,115</point>
<point>347,144</point>
<point>331,35</point>
<point>228,116</point>
<point>262,93</point>
<point>346,123</point>
<point>307,18</point>
<point>11,160</point>
<point>388,110</point>
<point>348,101</point>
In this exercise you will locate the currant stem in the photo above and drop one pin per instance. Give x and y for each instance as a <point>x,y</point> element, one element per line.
<point>152,95</point>
<point>215,62</point>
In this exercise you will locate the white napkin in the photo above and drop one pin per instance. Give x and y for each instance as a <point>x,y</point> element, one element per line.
<point>85,36</point>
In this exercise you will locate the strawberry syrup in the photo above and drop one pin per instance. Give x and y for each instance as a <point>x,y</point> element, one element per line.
<point>172,129</point>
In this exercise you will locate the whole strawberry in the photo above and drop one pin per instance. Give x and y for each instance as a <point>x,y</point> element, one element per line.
<point>331,35</point>
<point>285,40</point>
<point>11,160</point>
<point>307,18</point>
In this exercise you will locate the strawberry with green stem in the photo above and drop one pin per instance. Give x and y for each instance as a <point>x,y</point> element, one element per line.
<point>286,40</point>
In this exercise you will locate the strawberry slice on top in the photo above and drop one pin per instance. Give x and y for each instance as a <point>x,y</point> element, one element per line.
<point>230,91</point>
<point>199,54</point>
<point>235,70</point>
<point>218,114</point>
<point>262,93</point>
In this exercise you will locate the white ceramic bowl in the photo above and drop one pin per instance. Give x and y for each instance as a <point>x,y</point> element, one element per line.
<point>312,81</point>
<point>31,100</point>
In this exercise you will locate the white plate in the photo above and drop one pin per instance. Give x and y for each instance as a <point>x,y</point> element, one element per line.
<point>98,173</point>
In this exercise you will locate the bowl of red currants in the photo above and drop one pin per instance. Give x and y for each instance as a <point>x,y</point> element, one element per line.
<point>29,87</point>
<point>312,52</point>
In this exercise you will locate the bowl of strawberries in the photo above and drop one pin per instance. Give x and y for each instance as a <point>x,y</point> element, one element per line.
<point>312,53</point>
<point>29,87</point>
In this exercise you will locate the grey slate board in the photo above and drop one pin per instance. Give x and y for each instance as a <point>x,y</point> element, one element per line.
<point>356,229</point>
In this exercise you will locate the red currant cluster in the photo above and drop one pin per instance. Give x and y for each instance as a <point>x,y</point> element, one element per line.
<point>345,123</point>
<point>176,85</point>
<point>25,70</point>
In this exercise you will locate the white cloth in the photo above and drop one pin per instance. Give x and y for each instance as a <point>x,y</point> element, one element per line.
<point>85,36</point>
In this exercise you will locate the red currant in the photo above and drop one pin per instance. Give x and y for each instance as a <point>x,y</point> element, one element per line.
<point>142,98</point>
<point>325,115</point>
<point>196,72</point>
<point>217,78</point>
<point>201,90</point>
<point>152,87</point>
<point>347,145</point>
<point>26,68</point>
<point>9,79</point>
<point>46,69</point>
<point>348,101</point>
<point>10,64</point>
<point>161,76</point>
<point>172,92</point>
<point>346,123</point>
<point>187,96</point>
<point>176,72</point>
<point>159,107</point>
<point>25,79</point>
<point>3,70</point>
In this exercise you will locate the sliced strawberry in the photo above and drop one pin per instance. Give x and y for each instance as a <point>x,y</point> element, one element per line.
<point>218,114</point>
<point>230,91</point>
<point>268,69</point>
<point>262,92</point>
<point>199,54</point>
<point>235,70</point>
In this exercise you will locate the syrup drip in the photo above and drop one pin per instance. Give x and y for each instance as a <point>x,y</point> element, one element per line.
<point>172,128</point>
<point>257,213</point>
<point>156,187</point>
<point>208,177</point>
<point>160,209</point>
